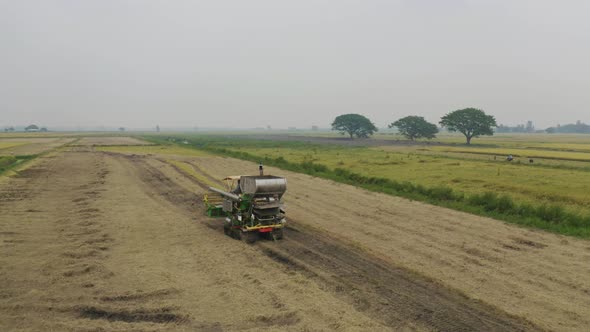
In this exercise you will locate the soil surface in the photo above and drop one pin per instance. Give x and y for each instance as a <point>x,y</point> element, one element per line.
<point>95,241</point>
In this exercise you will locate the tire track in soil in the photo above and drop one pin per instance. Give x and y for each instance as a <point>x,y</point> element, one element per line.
<point>385,292</point>
<point>389,294</point>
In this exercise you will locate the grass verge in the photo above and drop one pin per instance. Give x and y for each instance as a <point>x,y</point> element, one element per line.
<point>9,162</point>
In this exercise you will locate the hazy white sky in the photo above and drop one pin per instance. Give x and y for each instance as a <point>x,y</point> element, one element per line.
<point>290,63</point>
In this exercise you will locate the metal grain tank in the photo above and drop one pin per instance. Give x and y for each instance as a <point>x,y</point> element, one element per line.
<point>266,184</point>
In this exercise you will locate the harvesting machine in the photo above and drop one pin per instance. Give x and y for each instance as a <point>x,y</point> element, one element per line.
<point>251,205</point>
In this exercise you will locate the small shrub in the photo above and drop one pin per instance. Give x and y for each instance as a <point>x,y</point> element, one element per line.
<point>487,200</point>
<point>504,204</point>
<point>524,209</point>
<point>6,161</point>
<point>442,193</point>
<point>551,213</point>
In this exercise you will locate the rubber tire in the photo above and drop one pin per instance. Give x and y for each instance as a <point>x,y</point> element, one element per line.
<point>277,234</point>
<point>250,237</point>
<point>236,233</point>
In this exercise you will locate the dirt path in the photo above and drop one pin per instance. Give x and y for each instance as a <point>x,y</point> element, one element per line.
<point>539,276</point>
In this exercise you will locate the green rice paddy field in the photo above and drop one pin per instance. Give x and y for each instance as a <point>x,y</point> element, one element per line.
<point>470,175</point>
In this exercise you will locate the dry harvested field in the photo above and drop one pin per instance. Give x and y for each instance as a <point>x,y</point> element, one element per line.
<point>29,146</point>
<point>107,140</point>
<point>104,241</point>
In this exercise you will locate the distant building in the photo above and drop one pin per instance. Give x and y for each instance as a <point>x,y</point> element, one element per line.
<point>32,128</point>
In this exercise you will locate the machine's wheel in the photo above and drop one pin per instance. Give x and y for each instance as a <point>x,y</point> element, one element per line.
<point>266,235</point>
<point>277,233</point>
<point>236,233</point>
<point>250,237</point>
<point>227,229</point>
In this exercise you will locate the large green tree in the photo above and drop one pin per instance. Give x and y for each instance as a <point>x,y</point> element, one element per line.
<point>354,125</point>
<point>471,122</point>
<point>413,127</point>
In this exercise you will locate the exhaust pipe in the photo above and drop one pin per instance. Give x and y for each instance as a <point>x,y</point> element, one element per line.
<point>261,169</point>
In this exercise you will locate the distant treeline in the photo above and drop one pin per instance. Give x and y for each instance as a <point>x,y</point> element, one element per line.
<point>528,128</point>
<point>573,128</point>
